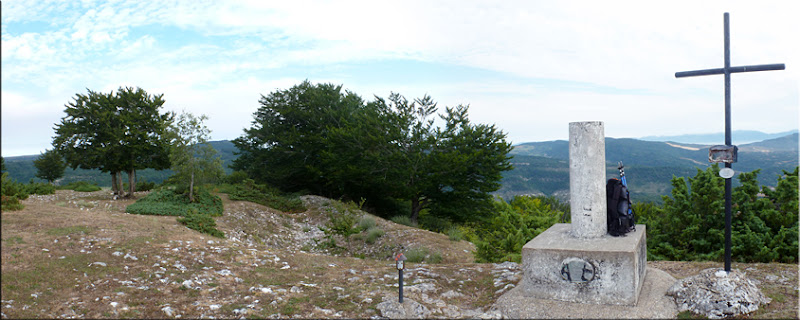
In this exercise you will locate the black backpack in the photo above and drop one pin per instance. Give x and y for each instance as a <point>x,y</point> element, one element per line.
<point>620,218</point>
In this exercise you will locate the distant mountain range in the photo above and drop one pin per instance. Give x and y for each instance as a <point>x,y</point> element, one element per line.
<point>737,137</point>
<point>543,167</point>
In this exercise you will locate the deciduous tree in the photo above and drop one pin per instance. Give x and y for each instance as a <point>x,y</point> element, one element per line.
<point>49,166</point>
<point>193,158</point>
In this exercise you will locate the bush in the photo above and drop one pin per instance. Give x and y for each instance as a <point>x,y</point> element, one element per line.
<point>248,190</point>
<point>515,223</point>
<point>10,203</point>
<point>421,254</point>
<point>40,188</point>
<point>236,177</point>
<point>342,219</point>
<point>365,223</point>
<point>404,220</point>
<point>80,186</point>
<point>165,202</point>
<point>454,233</point>
<point>11,192</point>
<point>373,234</point>
<point>201,222</point>
<point>141,185</point>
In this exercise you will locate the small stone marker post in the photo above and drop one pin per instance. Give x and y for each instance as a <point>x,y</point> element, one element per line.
<point>587,177</point>
<point>580,262</point>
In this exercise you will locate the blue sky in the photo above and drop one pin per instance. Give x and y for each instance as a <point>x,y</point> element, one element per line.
<point>529,67</point>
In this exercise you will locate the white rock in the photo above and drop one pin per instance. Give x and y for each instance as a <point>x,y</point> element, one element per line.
<point>117,254</point>
<point>102,264</point>
<point>285,267</point>
<point>129,256</point>
<point>715,293</point>
<point>188,283</point>
<point>214,306</point>
<point>114,304</point>
<point>168,311</point>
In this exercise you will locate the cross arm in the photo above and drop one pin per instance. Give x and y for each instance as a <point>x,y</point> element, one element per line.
<point>706,72</point>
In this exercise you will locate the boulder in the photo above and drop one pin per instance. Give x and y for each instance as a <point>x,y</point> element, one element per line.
<point>716,294</point>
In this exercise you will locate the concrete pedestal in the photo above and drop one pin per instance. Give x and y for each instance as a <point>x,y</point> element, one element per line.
<point>603,270</point>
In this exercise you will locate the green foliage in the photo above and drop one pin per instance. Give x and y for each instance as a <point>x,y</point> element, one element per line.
<point>691,224</point>
<point>12,192</point>
<point>342,219</point>
<point>80,186</point>
<point>49,166</point>
<point>201,222</point>
<point>373,233</point>
<point>332,143</point>
<point>404,220</point>
<point>454,233</point>
<point>268,196</point>
<point>421,254</point>
<point>366,222</point>
<point>166,202</point>
<point>515,223</point>
<point>39,188</point>
<point>141,185</point>
<point>96,134</point>
<point>236,177</point>
<point>194,160</point>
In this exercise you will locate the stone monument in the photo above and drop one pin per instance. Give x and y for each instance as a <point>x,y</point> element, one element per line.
<point>580,262</point>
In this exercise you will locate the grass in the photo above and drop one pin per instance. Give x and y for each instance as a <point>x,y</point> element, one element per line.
<point>63,231</point>
<point>421,254</point>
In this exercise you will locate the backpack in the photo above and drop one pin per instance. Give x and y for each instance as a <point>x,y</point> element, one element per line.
<point>620,218</point>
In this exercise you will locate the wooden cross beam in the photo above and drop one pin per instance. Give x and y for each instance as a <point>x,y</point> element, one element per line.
<point>727,70</point>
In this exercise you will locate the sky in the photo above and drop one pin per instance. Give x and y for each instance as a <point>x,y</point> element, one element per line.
<point>528,67</point>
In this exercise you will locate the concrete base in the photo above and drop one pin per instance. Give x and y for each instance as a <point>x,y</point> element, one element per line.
<point>603,270</point>
<point>653,304</point>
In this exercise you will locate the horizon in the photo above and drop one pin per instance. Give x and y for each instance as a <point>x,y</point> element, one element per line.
<point>529,68</point>
<point>784,134</point>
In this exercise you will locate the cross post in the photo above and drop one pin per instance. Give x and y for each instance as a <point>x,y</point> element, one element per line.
<point>727,71</point>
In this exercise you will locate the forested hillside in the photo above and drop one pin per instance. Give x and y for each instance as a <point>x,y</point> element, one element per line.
<point>543,167</point>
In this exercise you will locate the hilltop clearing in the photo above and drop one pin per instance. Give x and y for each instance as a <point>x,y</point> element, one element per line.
<point>79,255</point>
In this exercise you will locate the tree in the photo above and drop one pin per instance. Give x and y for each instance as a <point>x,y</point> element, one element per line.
<point>49,166</point>
<point>193,158</point>
<point>115,133</point>
<point>330,142</point>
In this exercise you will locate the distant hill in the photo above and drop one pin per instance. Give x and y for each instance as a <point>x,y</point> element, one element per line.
<point>543,167</point>
<point>21,168</point>
<point>737,136</point>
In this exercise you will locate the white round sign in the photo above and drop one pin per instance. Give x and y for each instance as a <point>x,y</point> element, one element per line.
<point>726,173</point>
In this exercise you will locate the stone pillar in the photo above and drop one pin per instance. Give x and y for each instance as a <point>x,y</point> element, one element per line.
<point>587,179</point>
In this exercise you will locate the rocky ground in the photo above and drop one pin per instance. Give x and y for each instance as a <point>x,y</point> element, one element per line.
<point>79,255</point>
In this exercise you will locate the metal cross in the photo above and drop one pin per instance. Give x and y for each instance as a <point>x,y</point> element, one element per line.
<point>727,70</point>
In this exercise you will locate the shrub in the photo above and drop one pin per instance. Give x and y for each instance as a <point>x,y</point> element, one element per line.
<point>421,254</point>
<point>201,222</point>
<point>454,233</point>
<point>40,188</point>
<point>141,185</point>
<point>10,203</point>
<point>80,186</point>
<point>434,223</point>
<point>342,219</point>
<point>248,190</point>
<point>11,192</point>
<point>165,202</point>
<point>236,177</point>
<point>365,223</point>
<point>373,234</point>
<point>404,220</point>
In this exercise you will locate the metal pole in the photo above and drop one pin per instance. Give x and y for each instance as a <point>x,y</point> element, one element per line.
<point>401,285</point>
<point>727,142</point>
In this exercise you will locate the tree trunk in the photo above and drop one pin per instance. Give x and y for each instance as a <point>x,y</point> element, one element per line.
<point>191,188</point>
<point>131,182</point>
<point>416,207</point>
<point>120,190</point>
<point>114,189</point>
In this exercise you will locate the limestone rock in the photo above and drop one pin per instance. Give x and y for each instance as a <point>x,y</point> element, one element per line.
<point>409,309</point>
<point>715,294</point>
